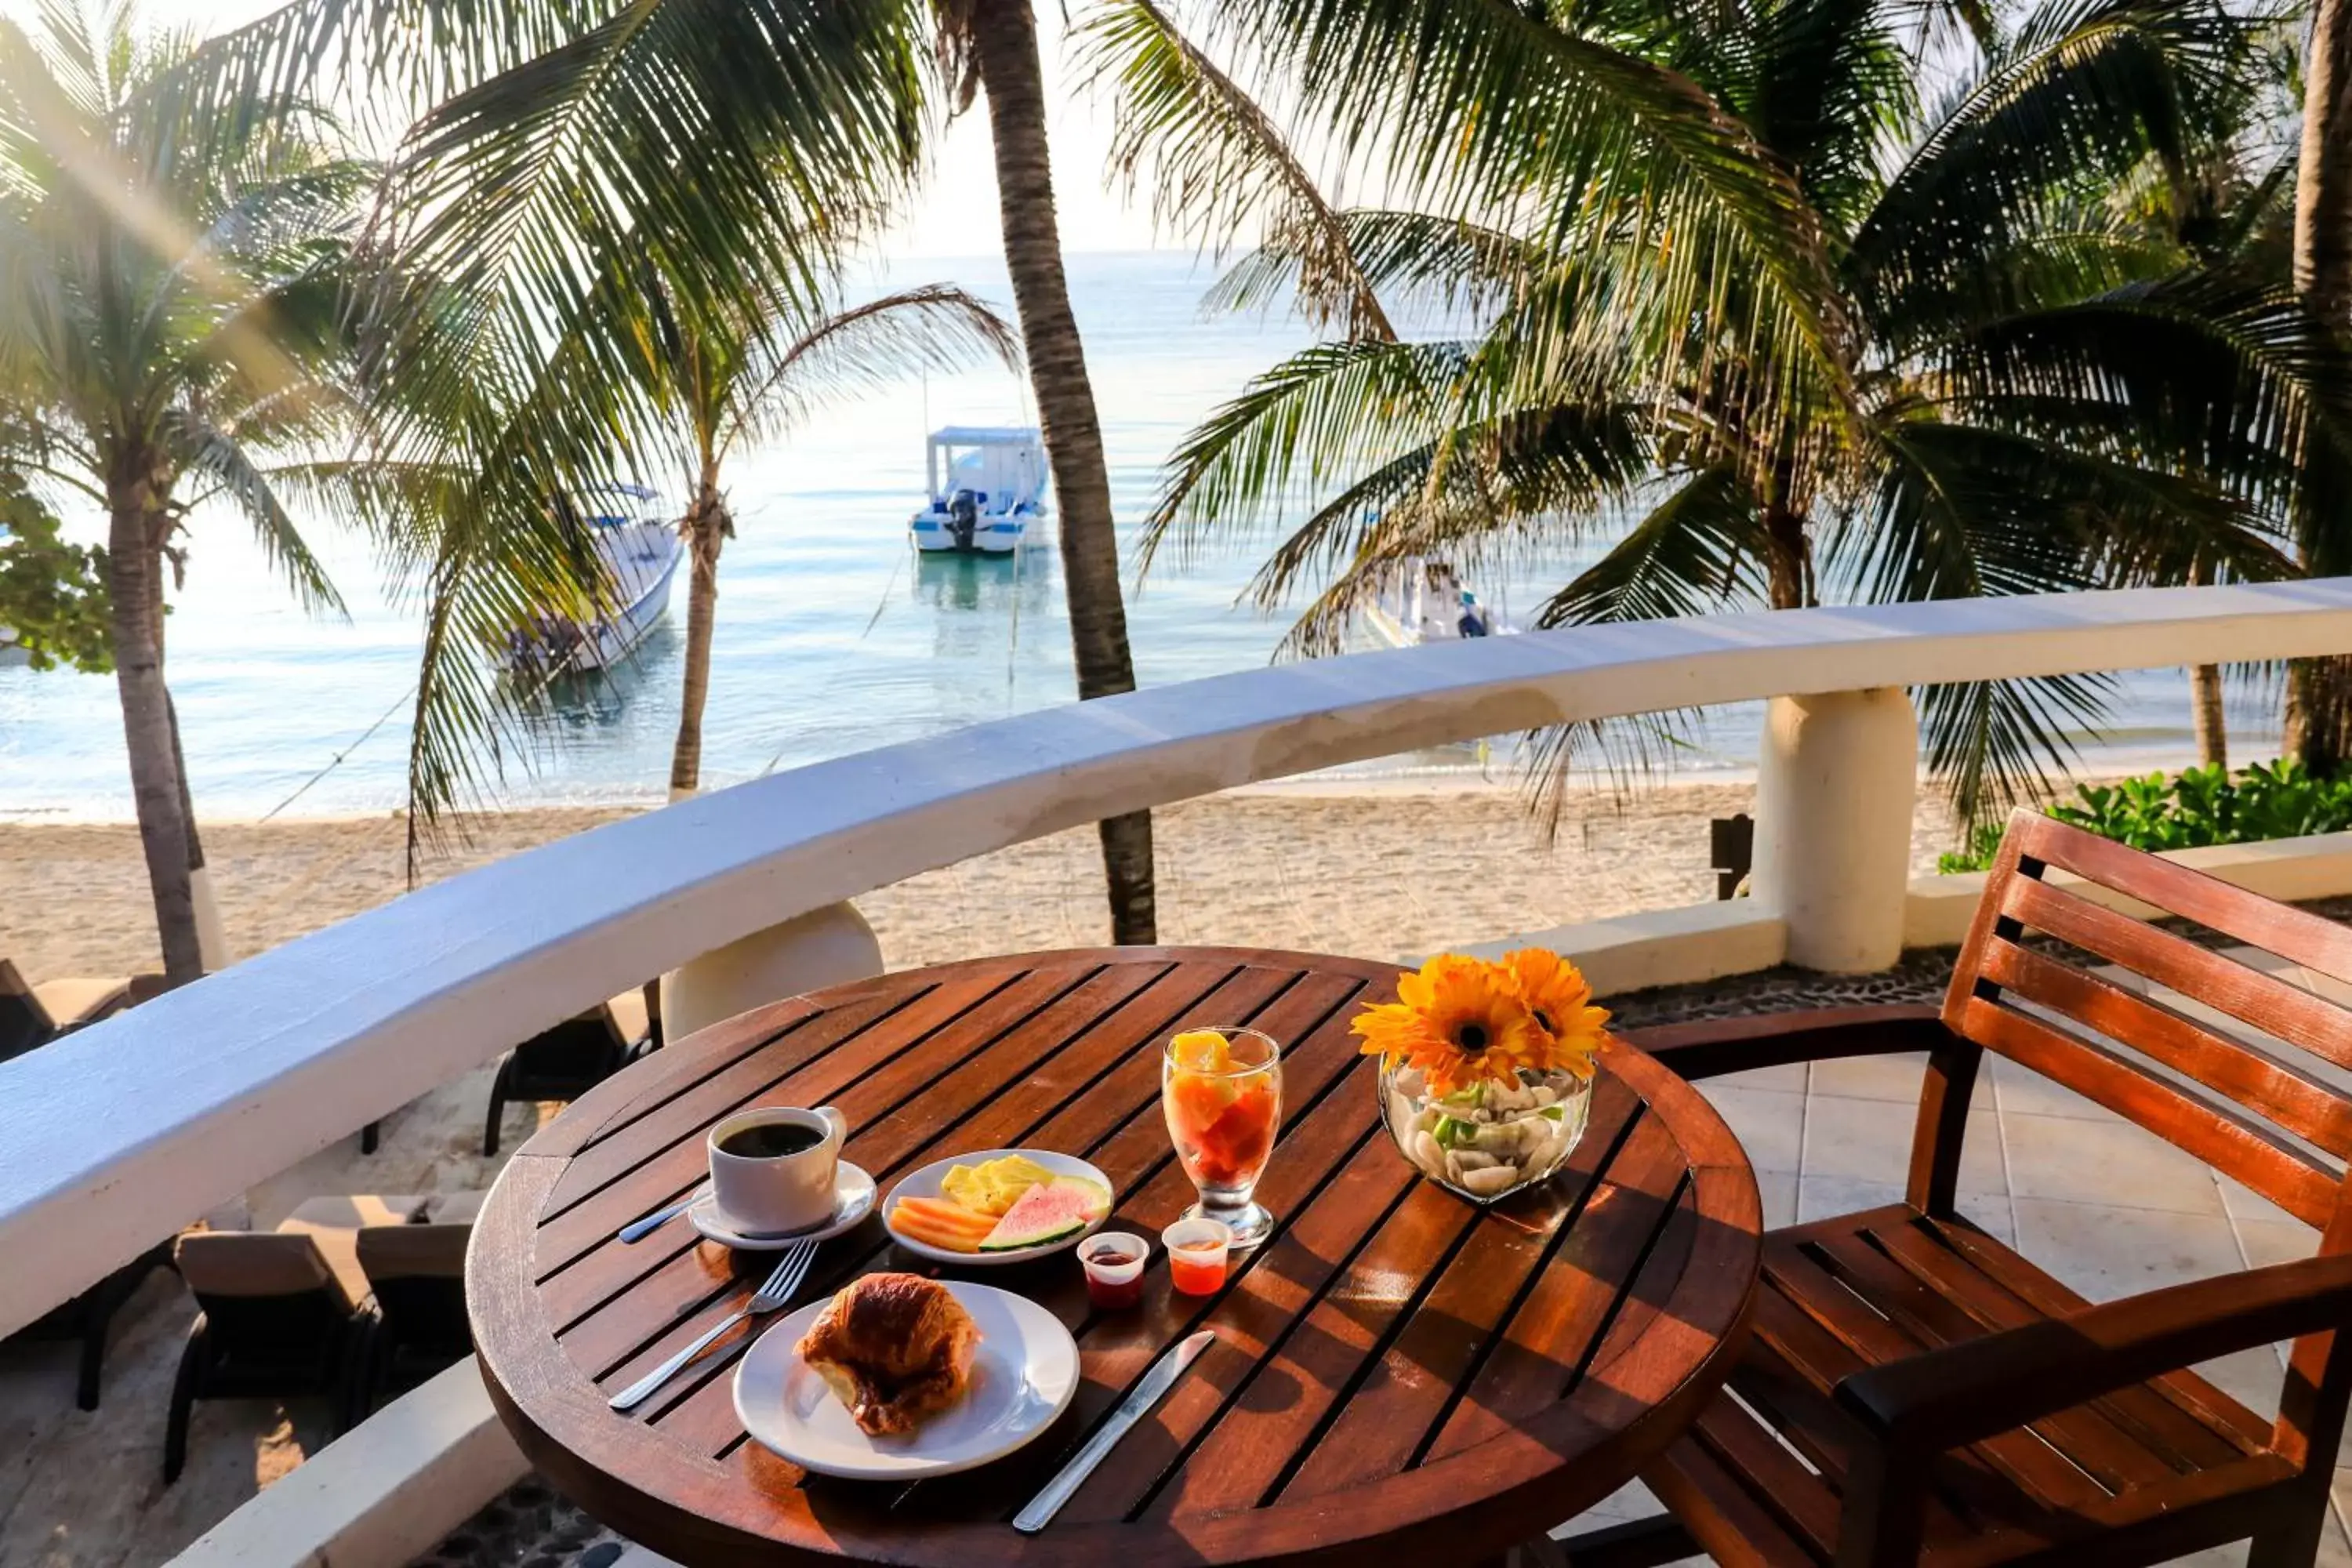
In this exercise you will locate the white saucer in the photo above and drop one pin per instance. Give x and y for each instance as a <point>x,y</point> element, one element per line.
<point>1023,1376</point>
<point>853,1200</point>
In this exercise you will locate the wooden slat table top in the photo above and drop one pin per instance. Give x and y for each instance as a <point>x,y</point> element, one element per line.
<point>1395,1370</point>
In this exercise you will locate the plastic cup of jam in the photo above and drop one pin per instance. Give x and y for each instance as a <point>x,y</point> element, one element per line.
<point>1114,1262</point>
<point>1197,1251</point>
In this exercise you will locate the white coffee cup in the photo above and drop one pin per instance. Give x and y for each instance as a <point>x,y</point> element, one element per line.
<point>774,1195</point>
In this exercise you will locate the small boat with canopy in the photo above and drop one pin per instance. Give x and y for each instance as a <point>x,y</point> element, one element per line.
<point>639,546</point>
<point>986,484</point>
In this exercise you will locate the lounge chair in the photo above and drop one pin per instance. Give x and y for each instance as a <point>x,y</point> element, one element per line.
<point>89,1316</point>
<point>33,1015</point>
<point>335,1223</point>
<point>417,1273</point>
<point>566,1061</point>
<point>277,1321</point>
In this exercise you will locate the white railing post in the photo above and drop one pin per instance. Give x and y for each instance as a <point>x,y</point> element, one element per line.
<point>825,947</point>
<point>1834,785</point>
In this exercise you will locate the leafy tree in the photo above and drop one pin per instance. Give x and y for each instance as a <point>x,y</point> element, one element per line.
<point>52,601</point>
<point>169,320</point>
<point>1976,367</point>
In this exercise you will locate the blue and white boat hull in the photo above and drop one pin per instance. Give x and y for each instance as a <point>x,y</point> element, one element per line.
<point>612,638</point>
<point>934,533</point>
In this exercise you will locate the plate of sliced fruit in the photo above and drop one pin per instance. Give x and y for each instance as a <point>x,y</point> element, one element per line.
<point>999,1205</point>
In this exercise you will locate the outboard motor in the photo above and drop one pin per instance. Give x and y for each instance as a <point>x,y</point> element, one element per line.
<point>963,519</point>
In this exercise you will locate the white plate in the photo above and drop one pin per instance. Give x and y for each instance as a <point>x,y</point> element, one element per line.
<point>1022,1375</point>
<point>853,1200</point>
<point>925,1184</point>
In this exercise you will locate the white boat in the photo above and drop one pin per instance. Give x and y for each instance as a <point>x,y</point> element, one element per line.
<point>1423,601</point>
<point>639,547</point>
<point>986,483</point>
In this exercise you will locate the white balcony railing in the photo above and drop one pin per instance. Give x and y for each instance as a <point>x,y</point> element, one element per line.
<point>114,1137</point>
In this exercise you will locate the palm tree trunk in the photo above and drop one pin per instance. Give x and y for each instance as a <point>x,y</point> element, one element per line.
<point>134,580</point>
<point>2205,695</point>
<point>1004,45</point>
<point>1788,564</point>
<point>2322,181</point>
<point>1784,537</point>
<point>705,536</point>
<point>2205,700</point>
<point>2319,690</point>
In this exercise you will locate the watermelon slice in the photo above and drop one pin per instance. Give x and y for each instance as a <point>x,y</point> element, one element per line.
<point>1048,1212</point>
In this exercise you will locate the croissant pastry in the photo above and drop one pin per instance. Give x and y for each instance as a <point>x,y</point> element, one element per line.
<point>895,1348</point>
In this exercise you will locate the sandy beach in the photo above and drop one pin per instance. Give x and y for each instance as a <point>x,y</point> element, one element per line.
<point>1379,871</point>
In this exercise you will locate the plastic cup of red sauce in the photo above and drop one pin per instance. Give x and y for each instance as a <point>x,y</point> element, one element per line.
<point>1198,1251</point>
<point>1114,1262</point>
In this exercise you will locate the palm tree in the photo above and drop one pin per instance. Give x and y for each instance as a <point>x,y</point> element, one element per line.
<point>2319,692</point>
<point>993,44</point>
<point>169,318</point>
<point>737,150</point>
<point>756,381</point>
<point>2014,386</point>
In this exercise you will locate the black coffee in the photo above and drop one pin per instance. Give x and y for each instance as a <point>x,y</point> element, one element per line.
<point>770,1140</point>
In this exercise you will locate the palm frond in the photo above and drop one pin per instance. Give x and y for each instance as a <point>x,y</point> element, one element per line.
<point>1484,111</point>
<point>859,349</point>
<point>2087,90</point>
<point>1450,263</point>
<point>204,448</point>
<point>1693,552</point>
<point>1322,415</point>
<point>1218,162</point>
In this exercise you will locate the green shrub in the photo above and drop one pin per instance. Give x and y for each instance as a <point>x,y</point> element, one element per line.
<point>2195,806</point>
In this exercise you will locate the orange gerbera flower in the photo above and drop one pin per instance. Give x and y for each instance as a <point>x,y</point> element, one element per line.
<point>1460,1021</point>
<point>1559,996</point>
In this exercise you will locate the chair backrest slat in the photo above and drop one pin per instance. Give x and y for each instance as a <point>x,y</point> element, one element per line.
<point>2271,1089</point>
<point>2254,1109</point>
<point>2296,936</point>
<point>2247,994</point>
<point>2285,1175</point>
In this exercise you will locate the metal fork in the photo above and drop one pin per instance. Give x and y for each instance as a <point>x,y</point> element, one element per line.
<point>773,1294</point>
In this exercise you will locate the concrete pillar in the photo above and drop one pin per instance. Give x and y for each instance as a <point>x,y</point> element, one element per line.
<point>824,947</point>
<point>212,933</point>
<point>1834,785</point>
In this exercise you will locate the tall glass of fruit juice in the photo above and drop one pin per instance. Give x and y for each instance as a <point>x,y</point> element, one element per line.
<point>1221,1089</point>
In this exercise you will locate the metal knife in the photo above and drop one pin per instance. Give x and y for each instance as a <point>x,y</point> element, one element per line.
<point>1132,1409</point>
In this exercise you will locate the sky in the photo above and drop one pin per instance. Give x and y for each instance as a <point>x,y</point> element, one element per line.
<point>956,214</point>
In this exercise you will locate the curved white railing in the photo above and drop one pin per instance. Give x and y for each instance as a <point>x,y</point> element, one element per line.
<point>112,1138</point>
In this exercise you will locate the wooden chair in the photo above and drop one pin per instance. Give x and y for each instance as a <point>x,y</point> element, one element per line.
<point>1915,1390</point>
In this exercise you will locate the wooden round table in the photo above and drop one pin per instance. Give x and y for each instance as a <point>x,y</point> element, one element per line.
<point>1395,1371</point>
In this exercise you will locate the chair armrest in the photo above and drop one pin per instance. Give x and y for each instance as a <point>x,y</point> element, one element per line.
<point>1963,1393</point>
<point>1713,1046</point>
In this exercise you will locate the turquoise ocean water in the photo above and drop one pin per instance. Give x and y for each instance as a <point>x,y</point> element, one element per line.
<point>829,638</point>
